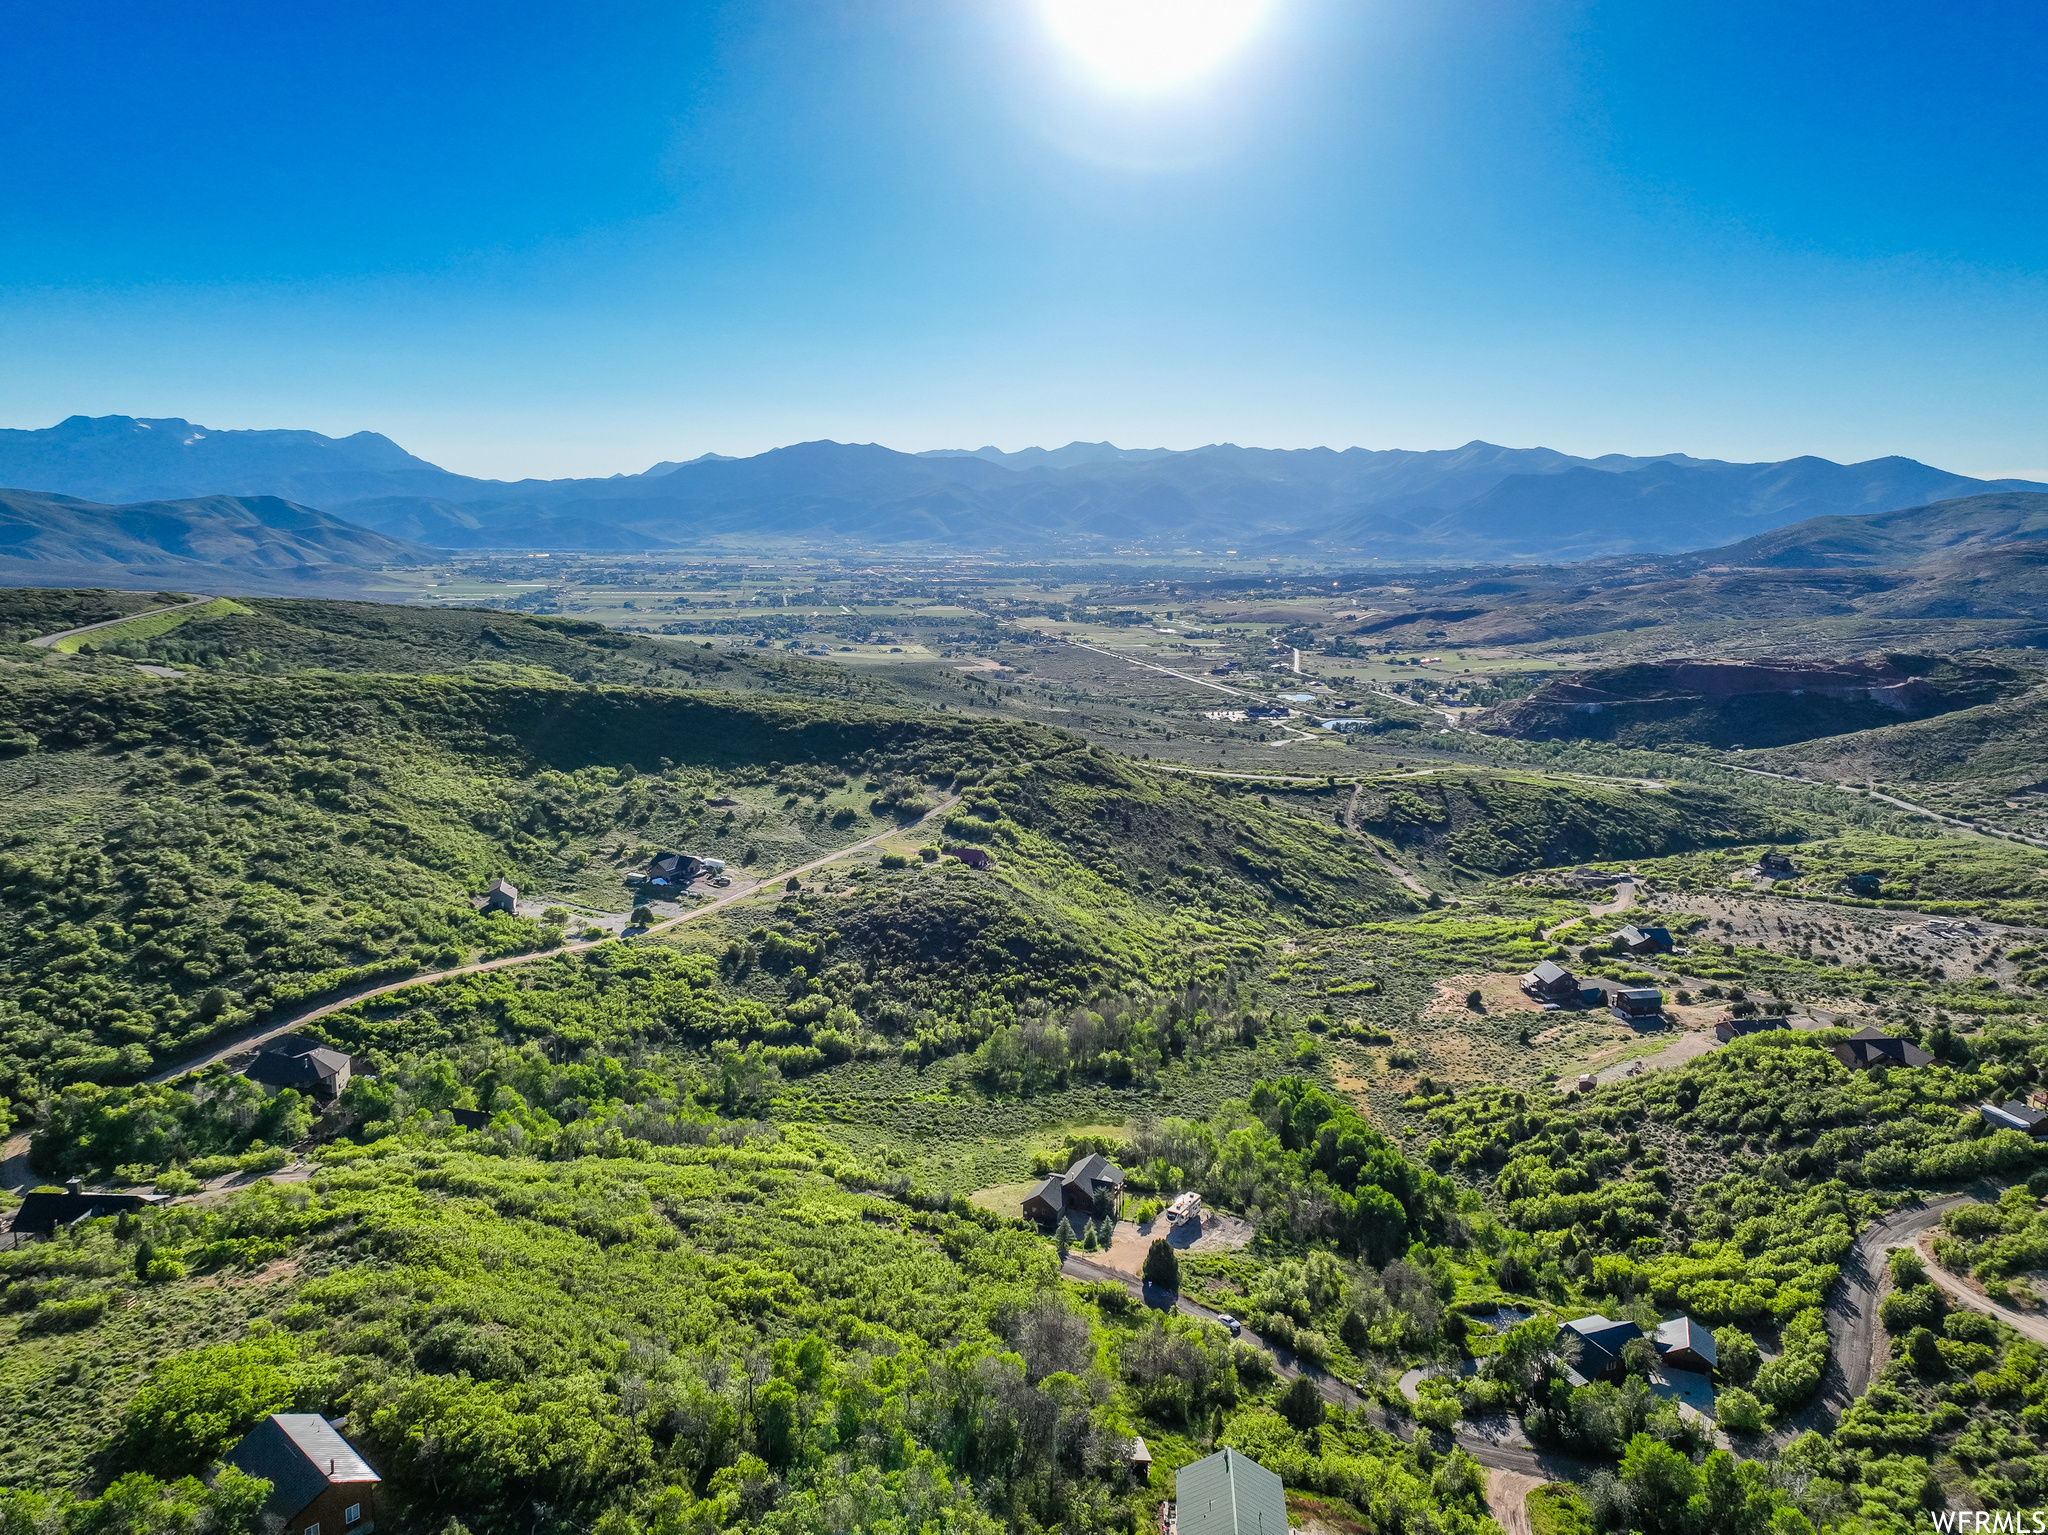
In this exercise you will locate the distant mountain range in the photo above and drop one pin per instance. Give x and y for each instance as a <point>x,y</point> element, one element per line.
<point>260,542</point>
<point>1476,503</point>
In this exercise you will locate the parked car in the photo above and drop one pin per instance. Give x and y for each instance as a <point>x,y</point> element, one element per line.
<point>1231,1322</point>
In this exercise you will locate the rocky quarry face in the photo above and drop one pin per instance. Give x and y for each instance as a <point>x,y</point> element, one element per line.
<point>1749,703</point>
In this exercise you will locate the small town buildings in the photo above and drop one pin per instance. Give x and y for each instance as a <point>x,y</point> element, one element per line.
<point>319,1485</point>
<point>1644,940</point>
<point>501,895</point>
<point>1682,1344</point>
<point>1868,1047</point>
<point>973,857</point>
<point>1228,1493</point>
<point>1551,982</point>
<point>47,1214</point>
<point>1592,1348</point>
<point>1636,1004</point>
<point>2015,1116</point>
<point>303,1064</point>
<point>1726,1029</point>
<point>1075,1189</point>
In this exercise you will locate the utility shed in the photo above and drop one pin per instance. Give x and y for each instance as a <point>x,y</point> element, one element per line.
<point>1228,1494</point>
<point>319,1485</point>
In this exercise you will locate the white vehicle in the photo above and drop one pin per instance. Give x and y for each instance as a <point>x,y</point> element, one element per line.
<point>1188,1206</point>
<point>1231,1322</point>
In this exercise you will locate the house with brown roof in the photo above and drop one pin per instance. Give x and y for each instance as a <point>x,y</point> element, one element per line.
<point>319,1485</point>
<point>1868,1047</point>
<point>501,895</point>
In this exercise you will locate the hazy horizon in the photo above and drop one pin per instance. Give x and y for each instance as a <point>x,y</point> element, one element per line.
<point>524,244</point>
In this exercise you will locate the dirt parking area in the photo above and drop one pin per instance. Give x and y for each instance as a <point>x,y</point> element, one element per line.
<point>1130,1241</point>
<point>1499,993</point>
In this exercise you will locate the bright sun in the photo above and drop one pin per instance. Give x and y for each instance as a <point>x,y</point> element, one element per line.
<point>1152,45</point>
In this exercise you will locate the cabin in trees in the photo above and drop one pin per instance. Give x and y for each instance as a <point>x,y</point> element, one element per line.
<point>1227,1493</point>
<point>319,1485</point>
<point>1682,1344</point>
<point>1644,940</point>
<point>47,1213</point>
<point>1592,1348</point>
<point>1868,1047</point>
<point>1727,1029</point>
<point>304,1064</point>
<point>1776,865</point>
<point>1075,1189</point>
<point>2015,1116</point>
<point>501,895</point>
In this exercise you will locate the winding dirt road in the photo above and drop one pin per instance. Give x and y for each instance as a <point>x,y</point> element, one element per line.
<point>272,1028</point>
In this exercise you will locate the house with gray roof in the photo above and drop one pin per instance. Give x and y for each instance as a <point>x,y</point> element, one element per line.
<point>1592,1348</point>
<point>301,1064</point>
<point>319,1485</point>
<point>1228,1493</point>
<point>1075,1189</point>
<point>1682,1344</point>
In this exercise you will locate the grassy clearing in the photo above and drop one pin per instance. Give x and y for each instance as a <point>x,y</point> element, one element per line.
<point>149,625</point>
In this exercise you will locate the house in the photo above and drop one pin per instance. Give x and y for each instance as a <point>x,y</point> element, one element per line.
<point>1682,1344</point>
<point>1267,712</point>
<point>319,1485</point>
<point>1644,940</point>
<point>501,895</point>
<point>973,857</point>
<point>1348,727</point>
<point>1228,1493</point>
<point>1045,1202</point>
<point>1141,1461</point>
<point>1583,875</point>
<point>1592,1348</point>
<point>1635,1003</point>
<point>1775,865</point>
<point>1865,884</point>
<point>1726,1029</point>
<point>46,1213</point>
<point>471,1119</point>
<point>1551,982</point>
<point>2015,1116</point>
<point>303,1064</point>
<point>669,872</point>
<point>1075,1189</point>
<point>1867,1048</point>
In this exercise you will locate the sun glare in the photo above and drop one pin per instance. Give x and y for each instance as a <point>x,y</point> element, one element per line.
<point>1152,45</point>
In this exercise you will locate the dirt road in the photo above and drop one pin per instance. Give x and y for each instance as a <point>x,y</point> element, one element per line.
<point>1351,825</point>
<point>2026,1326</point>
<point>272,1028</point>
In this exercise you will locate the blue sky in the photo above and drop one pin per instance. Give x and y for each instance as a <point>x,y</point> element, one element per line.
<point>571,240</point>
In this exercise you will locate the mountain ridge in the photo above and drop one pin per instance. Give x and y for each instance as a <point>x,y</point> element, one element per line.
<point>1476,501</point>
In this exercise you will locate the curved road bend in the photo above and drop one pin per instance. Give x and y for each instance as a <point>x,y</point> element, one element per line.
<point>270,1029</point>
<point>45,641</point>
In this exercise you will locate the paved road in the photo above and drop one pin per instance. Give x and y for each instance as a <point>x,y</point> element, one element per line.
<point>47,640</point>
<point>1488,1450</point>
<point>271,1028</point>
<point>1222,687</point>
